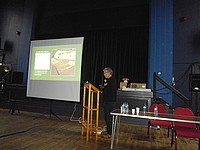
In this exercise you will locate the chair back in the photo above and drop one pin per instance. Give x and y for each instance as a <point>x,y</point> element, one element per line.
<point>186,112</point>
<point>161,108</point>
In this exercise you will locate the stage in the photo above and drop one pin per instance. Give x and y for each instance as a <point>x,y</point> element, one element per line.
<point>34,131</point>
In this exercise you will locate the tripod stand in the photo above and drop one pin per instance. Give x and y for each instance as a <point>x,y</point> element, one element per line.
<point>52,113</point>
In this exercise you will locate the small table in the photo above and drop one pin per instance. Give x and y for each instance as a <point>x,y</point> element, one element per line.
<point>148,115</point>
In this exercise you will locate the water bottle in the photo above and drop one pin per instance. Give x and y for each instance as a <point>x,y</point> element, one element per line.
<point>144,108</point>
<point>126,108</point>
<point>156,110</point>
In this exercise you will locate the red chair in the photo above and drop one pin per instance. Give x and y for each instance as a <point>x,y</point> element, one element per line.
<point>185,129</point>
<point>153,122</point>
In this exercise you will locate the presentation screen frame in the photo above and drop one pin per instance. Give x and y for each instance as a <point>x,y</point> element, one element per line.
<point>55,69</point>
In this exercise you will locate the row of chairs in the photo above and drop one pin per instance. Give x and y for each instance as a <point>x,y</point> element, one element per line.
<point>178,128</point>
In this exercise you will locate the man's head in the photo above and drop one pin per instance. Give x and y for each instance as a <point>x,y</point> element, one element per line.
<point>107,72</point>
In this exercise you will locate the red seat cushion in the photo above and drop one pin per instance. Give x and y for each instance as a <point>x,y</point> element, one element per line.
<point>187,132</point>
<point>161,123</point>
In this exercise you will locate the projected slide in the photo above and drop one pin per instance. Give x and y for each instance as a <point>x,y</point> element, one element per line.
<point>55,65</point>
<point>56,62</point>
<point>63,62</point>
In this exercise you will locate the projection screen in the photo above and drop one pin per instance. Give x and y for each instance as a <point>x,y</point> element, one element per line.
<point>55,69</point>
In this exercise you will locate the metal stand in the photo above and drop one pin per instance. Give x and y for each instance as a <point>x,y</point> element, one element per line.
<point>13,102</point>
<point>13,106</point>
<point>196,102</point>
<point>52,113</point>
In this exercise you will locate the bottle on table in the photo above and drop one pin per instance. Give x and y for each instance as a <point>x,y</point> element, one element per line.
<point>144,108</point>
<point>126,108</point>
<point>156,110</point>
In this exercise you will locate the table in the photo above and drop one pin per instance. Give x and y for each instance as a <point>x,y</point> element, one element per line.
<point>148,115</point>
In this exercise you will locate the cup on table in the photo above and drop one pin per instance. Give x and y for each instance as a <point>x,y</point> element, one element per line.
<point>137,110</point>
<point>133,111</point>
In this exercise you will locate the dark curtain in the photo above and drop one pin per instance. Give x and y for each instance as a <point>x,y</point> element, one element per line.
<point>124,50</point>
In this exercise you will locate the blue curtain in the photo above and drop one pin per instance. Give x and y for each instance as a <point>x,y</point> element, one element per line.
<point>161,45</point>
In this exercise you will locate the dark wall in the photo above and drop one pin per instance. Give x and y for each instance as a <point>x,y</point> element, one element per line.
<point>55,19</point>
<point>11,17</point>
<point>186,43</point>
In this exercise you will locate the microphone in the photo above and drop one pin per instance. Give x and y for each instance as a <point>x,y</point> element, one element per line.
<point>105,80</point>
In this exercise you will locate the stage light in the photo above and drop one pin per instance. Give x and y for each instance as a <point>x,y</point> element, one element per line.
<point>18,32</point>
<point>6,69</point>
<point>184,18</point>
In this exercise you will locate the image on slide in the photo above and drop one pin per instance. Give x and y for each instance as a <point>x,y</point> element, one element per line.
<point>63,62</point>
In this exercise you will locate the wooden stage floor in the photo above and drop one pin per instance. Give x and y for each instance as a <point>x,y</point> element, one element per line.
<point>34,131</point>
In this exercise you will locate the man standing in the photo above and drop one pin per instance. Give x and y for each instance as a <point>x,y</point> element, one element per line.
<point>109,98</point>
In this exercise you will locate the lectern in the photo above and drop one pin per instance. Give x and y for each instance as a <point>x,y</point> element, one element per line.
<point>90,106</point>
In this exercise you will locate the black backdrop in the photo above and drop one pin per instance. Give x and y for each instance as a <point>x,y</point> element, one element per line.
<point>124,50</point>
<point>115,35</point>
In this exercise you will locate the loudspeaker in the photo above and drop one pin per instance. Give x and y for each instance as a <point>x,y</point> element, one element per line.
<point>17,78</point>
<point>194,82</point>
